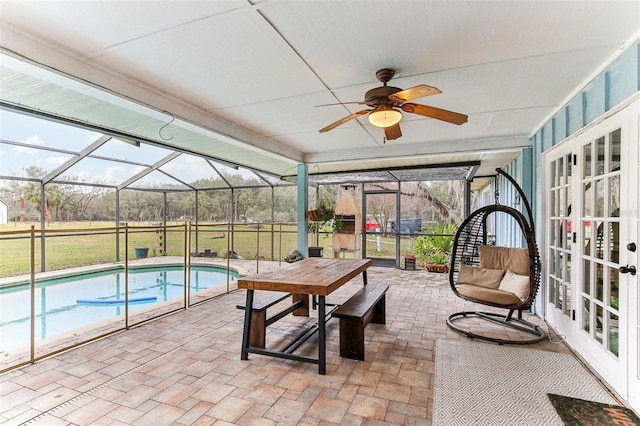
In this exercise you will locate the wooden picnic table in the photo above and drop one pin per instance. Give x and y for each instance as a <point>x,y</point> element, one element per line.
<point>313,276</point>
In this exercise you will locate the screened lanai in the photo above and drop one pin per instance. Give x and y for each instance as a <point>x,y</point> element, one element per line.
<point>279,90</point>
<point>78,198</point>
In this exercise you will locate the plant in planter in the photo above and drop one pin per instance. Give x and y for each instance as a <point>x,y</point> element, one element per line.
<point>434,250</point>
<point>410,261</point>
<point>318,217</point>
<point>294,257</point>
<point>437,262</point>
<point>323,212</point>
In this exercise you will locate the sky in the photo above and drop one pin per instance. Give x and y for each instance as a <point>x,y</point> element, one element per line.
<point>40,134</point>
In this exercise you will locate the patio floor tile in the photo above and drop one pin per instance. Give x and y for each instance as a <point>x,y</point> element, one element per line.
<point>185,369</point>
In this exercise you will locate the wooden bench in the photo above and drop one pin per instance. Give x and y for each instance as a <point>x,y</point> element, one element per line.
<point>367,305</point>
<point>259,320</point>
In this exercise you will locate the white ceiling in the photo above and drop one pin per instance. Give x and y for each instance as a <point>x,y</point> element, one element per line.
<point>240,80</point>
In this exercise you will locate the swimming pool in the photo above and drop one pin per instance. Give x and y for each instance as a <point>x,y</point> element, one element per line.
<point>68,303</point>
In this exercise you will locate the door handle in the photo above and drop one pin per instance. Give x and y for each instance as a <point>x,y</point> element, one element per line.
<point>628,269</point>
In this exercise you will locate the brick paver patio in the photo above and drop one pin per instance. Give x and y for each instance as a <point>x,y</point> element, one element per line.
<point>185,369</point>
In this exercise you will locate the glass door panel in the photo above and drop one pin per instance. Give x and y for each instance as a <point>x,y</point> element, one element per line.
<point>600,217</point>
<point>561,234</point>
<point>380,233</point>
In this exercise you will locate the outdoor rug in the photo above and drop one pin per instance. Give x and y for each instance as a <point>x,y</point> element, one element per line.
<point>575,411</point>
<point>480,383</point>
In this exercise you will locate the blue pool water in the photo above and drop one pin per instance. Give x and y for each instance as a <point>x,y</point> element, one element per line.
<point>65,304</point>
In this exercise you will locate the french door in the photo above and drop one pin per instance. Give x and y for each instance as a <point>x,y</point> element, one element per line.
<point>591,229</point>
<point>633,260</point>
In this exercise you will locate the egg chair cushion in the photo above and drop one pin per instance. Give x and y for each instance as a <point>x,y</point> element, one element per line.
<point>488,295</point>
<point>505,258</point>
<point>516,284</point>
<point>483,277</point>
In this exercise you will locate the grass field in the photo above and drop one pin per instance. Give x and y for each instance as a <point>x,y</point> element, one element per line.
<point>73,244</point>
<point>82,243</point>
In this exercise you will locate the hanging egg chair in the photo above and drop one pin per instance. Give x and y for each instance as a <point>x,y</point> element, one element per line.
<point>497,276</point>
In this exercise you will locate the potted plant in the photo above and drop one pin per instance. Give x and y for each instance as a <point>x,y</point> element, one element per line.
<point>435,248</point>
<point>437,262</point>
<point>318,217</point>
<point>410,261</point>
<point>322,214</point>
<point>141,252</point>
<point>294,257</point>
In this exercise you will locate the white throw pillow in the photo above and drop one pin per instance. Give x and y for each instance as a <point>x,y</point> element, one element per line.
<point>516,284</point>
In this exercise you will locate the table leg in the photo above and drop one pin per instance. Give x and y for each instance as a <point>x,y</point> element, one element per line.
<point>248,310</point>
<point>364,277</point>
<point>322,338</point>
<point>302,311</point>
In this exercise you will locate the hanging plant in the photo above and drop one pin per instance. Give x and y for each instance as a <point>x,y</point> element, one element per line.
<point>323,213</point>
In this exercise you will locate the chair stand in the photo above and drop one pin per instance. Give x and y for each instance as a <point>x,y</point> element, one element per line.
<point>504,320</point>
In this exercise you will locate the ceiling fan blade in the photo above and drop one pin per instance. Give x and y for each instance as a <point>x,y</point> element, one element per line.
<point>392,132</point>
<point>344,120</point>
<point>437,113</point>
<point>343,103</point>
<point>414,92</point>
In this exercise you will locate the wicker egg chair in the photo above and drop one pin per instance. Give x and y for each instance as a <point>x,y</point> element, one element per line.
<point>502,277</point>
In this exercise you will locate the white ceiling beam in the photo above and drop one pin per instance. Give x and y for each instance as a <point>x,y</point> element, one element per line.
<point>397,149</point>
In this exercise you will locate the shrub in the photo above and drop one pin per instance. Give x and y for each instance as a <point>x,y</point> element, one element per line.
<point>437,247</point>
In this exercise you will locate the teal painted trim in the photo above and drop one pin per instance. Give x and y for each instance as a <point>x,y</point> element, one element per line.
<point>527,181</point>
<point>559,123</point>
<point>537,142</point>
<point>607,90</point>
<point>522,171</point>
<point>575,114</point>
<point>595,99</point>
<point>527,173</point>
<point>547,136</point>
<point>620,77</point>
<point>303,205</point>
<point>638,67</point>
<point>536,185</point>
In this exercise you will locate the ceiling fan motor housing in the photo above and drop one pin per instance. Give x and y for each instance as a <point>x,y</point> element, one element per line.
<point>380,95</point>
<point>385,74</point>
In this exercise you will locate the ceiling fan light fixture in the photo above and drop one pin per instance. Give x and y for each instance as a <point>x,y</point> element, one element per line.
<point>385,117</point>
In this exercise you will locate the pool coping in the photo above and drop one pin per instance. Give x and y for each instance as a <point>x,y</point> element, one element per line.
<point>133,264</point>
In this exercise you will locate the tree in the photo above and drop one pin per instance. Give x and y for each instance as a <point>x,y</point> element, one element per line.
<point>440,201</point>
<point>53,195</point>
<point>12,193</point>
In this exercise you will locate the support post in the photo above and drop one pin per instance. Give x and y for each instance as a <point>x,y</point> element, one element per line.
<point>43,223</point>
<point>164,225</point>
<point>467,198</point>
<point>118,224</point>
<point>303,204</point>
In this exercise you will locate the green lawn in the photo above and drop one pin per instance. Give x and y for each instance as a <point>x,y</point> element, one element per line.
<point>76,244</point>
<point>83,243</point>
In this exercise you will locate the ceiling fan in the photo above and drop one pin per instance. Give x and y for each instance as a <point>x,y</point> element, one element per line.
<point>387,101</point>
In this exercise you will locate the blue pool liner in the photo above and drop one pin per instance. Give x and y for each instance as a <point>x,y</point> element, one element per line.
<point>115,301</point>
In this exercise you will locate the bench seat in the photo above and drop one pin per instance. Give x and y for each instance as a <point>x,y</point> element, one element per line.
<point>367,305</point>
<point>262,300</point>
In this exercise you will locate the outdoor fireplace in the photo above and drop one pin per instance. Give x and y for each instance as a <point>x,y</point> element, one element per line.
<point>347,237</point>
